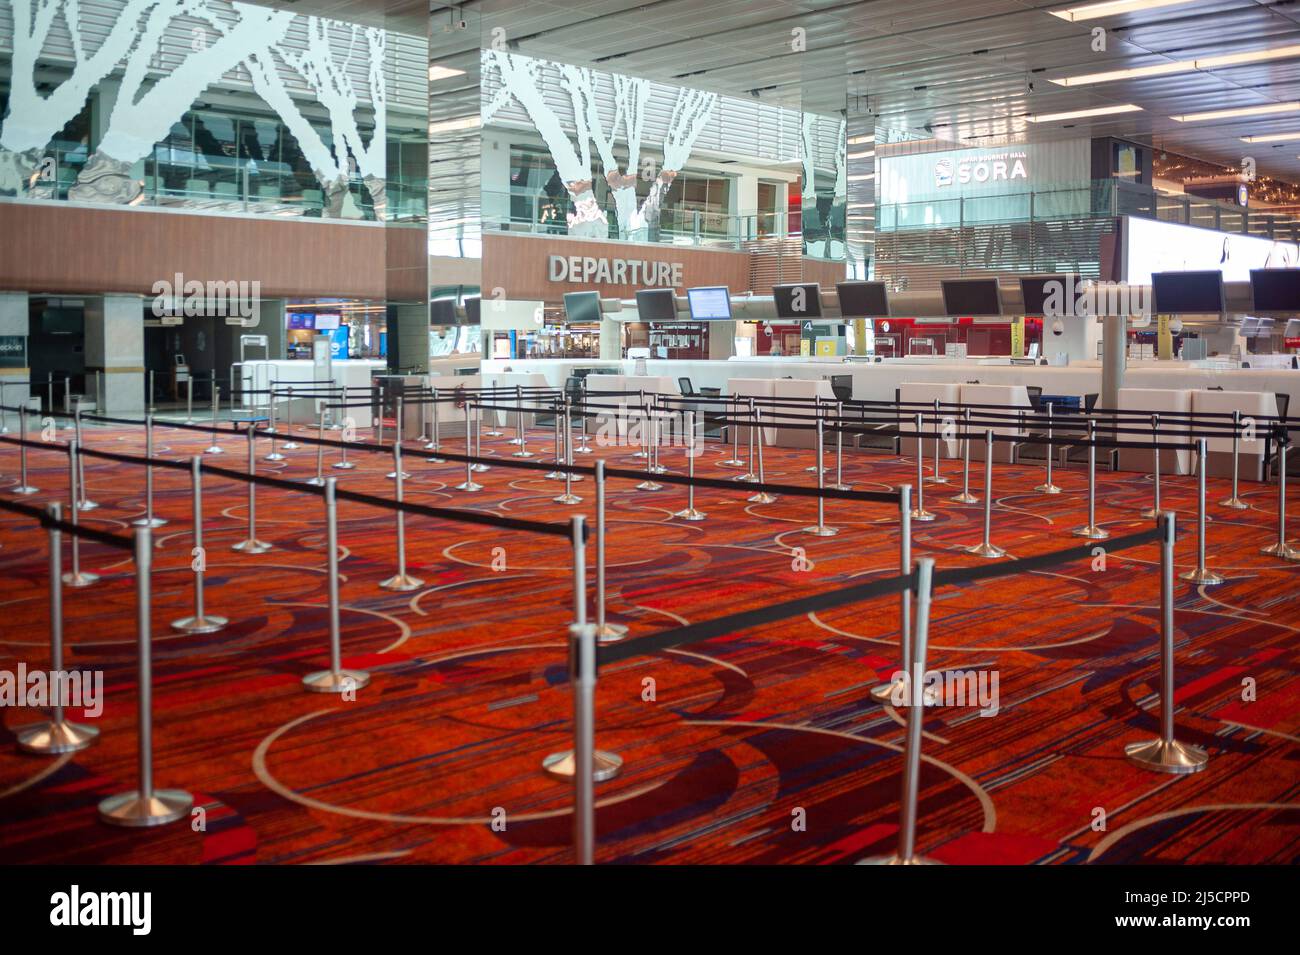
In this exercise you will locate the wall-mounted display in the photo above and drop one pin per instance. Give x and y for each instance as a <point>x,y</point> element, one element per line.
<point>709,304</point>
<point>1184,293</point>
<point>798,301</point>
<point>862,299</point>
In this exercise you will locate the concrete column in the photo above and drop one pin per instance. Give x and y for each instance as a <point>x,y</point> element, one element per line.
<point>115,346</point>
<point>14,359</point>
<point>1114,334</point>
<point>611,339</point>
<point>722,340</point>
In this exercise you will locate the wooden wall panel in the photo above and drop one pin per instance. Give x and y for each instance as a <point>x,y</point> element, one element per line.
<point>78,250</point>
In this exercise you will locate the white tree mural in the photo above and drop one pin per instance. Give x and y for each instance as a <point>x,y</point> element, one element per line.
<point>330,82</point>
<point>691,113</point>
<point>143,114</point>
<point>822,244</point>
<point>35,119</point>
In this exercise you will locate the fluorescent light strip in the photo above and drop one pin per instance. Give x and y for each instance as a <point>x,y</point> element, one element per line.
<point>1084,113</point>
<point>437,72</point>
<point>1182,66</point>
<point>1268,110</point>
<point>448,125</point>
<point>1271,138</point>
<point>1111,8</point>
<point>862,178</point>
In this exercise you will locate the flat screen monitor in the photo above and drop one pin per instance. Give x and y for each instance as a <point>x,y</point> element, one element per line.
<point>442,311</point>
<point>862,299</point>
<point>473,310</point>
<point>1183,293</point>
<point>1276,290</point>
<point>799,301</point>
<point>300,321</point>
<point>967,297</point>
<point>582,306</point>
<point>712,304</point>
<point>328,322</point>
<point>1050,296</point>
<point>61,321</point>
<point>656,305</point>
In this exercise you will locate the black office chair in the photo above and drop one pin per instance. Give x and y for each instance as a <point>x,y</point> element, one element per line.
<point>684,383</point>
<point>1035,393</point>
<point>842,387</point>
<point>1090,402</point>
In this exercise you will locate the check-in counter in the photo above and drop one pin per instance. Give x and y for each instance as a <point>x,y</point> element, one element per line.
<point>1155,401</point>
<point>528,383</point>
<point>803,391</point>
<point>1252,404</point>
<point>625,415</point>
<point>743,389</point>
<point>1004,399</point>
<point>927,392</point>
<point>452,392</point>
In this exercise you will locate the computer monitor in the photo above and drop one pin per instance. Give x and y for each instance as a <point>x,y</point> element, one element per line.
<point>1050,296</point>
<point>862,299</point>
<point>582,306</point>
<point>798,301</point>
<point>709,304</point>
<point>968,297</point>
<point>656,305</point>
<point>1276,290</point>
<point>328,322</point>
<point>180,360</point>
<point>442,311</point>
<point>473,310</point>
<point>1188,293</point>
<point>302,321</point>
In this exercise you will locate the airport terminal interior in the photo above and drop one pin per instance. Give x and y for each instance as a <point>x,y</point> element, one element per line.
<point>521,432</point>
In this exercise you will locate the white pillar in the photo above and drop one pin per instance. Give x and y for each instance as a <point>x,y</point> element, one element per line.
<point>115,345</point>
<point>14,359</point>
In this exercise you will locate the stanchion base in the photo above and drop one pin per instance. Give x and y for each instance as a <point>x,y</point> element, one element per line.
<point>24,490</point>
<point>884,693</point>
<point>747,476</point>
<point>649,486</point>
<point>251,546</point>
<point>214,450</point>
<point>690,514</point>
<point>343,465</point>
<point>1151,513</point>
<point>1235,504</point>
<point>87,506</point>
<point>560,765</point>
<point>149,522</point>
<point>657,469</point>
<point>567,499</point>
<point>1172,757</point>
<point>921,515</point>
<point>514,441</point>
<point>522,454</point>
<point>611,633</point>
<point>762,497</point>
<point>749,479</point>
<point>469,486</point>
<point>476,468</point>
<point>821,530</point>
<point>208,623</point>
<point>274,456</point>
<point>550,475</point>
<point>130,810</point>
<point>964,498</point>
<point>1285,551</point>
<point>289,446</point>
<point>315,482</point>
<point>1201,575</point>
<point>897,860</point>
<point>1092,532</point>
<point>402,582</point>
<point>392,475</point>
<point>732,463</point>
<point>82,579</point>
<point>1047,489</point>
<point>840,487</point>
<point>583,449</point>
<point>936,480</point>
<point>986,550</point>
<point>327,681</point>
<point>494,434</point>
<point>50,739</point>
<point>813,469</point>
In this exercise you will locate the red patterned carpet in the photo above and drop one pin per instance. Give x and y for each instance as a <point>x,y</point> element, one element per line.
<point>469,692</point>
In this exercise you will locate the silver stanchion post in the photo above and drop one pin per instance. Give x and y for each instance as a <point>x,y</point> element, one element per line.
<point>469,484</point>
<point>335,679</point>
<point>568,497</point>
<point>189,399</point>
<point>76,578</point>
<point>734,461</point>
<point>1201,574</point>
<point>820,529</point>
<point>201,621</point>
<point>1234,502</point>
<point>290,445</point>
<point>649,484</point>
<point>273,454</point>
<point>935,478</point>
<point>145,806</point>
<point>965,497</point>
<point>582,435</point>
<point>906,854</point>
<point>817,414</point>
<point>397,440</point>
<point>319,479</point>
<point>215,448</point>
<point>919,513</point>
<point>749,477</point>
<point>58,734</point>
<point>1154,510</point>
<point>4,409</point>
<point>556,474</point>
<point>479,466</point>
<point>1166,754</point>
<point>343,464</point>
<point>400,581</point>
<point>883,691</point>
<point>492,431</point>
<point>690,513</point>
<point>521,432</point>
<point>839,484</point>
<point>561,765</point>
<point>84,503</point>
<point>23,487</point>
<point>986,548</point>
<point>1047,487</point>
<point>1091,530</point>
<point>761,496</point>
<point>252,545</point>
<point>1281,548</point>
<point>582,671</point>
<point>605,632</point>
<point>148,520</point>
<point>436,444</point>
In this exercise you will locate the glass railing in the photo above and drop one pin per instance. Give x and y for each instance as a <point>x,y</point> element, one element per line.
<point>1099,198</point>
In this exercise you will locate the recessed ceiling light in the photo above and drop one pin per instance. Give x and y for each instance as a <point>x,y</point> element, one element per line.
<point>437,72</point>
<point>1084,113</point>
<point>1182,66</point>
<point>448,125</point>
<point>1110,8</point>
<point>862,178</point>
<point>1271,138</point>
<point>1239,111</point>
